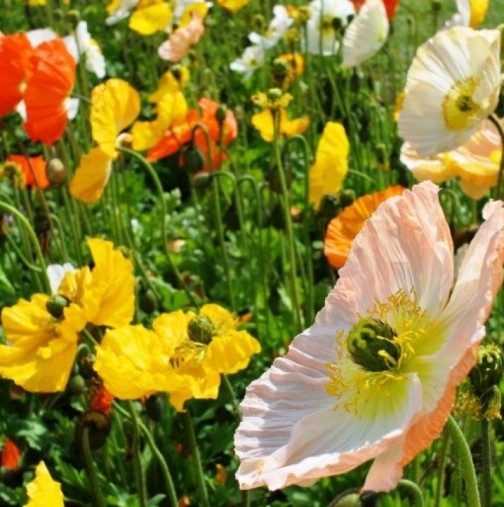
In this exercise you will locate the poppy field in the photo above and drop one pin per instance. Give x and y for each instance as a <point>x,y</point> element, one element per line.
<point>251,253</point>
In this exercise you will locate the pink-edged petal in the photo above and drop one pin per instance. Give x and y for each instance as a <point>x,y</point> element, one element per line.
<point>406,245</point>
<point>294,432</point>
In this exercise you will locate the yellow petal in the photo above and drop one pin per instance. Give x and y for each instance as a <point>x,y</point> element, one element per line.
<point>147,133</point>
<point>479,9</point>
<point>173,327</point>
<point>114,106</point>
<point>113,285</point>
<point>230,353</point>
<point>294,127</point>
<point>91,177</point>
<point>43,491</point>
<point>170,84</point>
<point>263,122</point>
<point>233,5</point>
<point>223,321</point>
<point>331,163</point>
<point>41,352</point>
<point>136,354</point>
<point>151,19</point>
<point>201,10</point>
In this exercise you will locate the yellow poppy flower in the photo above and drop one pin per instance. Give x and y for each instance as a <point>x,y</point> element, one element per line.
<point>170,106</point>
<point>43,332</point>
<point>151,16</point>
<point>43,490</point>
<point>114,106</point>
<point>200,9</point>
<point>184,355</point>
<point>233,5</point>
<point>263,122</point>
<point>331,163</point>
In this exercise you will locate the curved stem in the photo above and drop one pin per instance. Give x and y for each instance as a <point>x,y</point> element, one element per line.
<point>93,478</point>
<point>495,120</point>
<point>414,492</point>
<point>170,486</point>
<point>162,204</point>
<point>486,473</point>
<point>466,462</point>
<point>441,469</point>
<point>13,211</point>
<point>137,458</point>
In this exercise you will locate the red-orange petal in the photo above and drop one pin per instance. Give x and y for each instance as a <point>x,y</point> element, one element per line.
<point>47,90</point>
<point>342,229</point>
<point>34,169</point>
<point>10,455</point>
<point>15,51</point>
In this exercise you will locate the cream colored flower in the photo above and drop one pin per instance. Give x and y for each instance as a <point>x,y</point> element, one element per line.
<point>452,86</point>
<point>366,34</point>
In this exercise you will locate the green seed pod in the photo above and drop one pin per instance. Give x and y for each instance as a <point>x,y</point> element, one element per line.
<point>77,385</point>
<point>200,329</point>
<point>488,370</point>
<point>56,304</point>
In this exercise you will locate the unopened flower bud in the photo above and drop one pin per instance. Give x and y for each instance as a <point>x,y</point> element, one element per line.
<point>488,370</point>
<point>56,304</point>
<point>200,329</point>
<point>77,385</point>
<point>56,172</point>
<point>280,68</point>
<point>98,426</point>
<point>194,160</point>
<point>346,197</point>
<point>201,180</point>
<point>176,71</point>
<point>349,498</point>
<point>221,113</point>
<point>147,301</point>
<point>73,17</point>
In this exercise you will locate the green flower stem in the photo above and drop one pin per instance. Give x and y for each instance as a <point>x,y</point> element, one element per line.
<point>291,246</point>
<point>20,254</point>
<point>162,204</point>
<point>466,462</point>
<point>193,445</point>
<point>38,252</point>
<point>309,283</point>
<point>413,491</point>
<point>170,486</point>
<point>443,451</point>
<point>232,397</point>
<point>486,473</point>
<point>137,458</point>
<point>495,120</point>
<point>90,468</point>
<point>217,213</point>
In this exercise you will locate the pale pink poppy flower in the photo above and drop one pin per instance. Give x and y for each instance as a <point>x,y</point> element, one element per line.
<point>182,39</point>
<point>334,402</point>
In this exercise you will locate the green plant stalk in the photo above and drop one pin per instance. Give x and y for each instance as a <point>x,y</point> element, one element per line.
<point>137,458</point>
<point>308,279</point>
<point>414,492</point>
<point>90,468</point>
<point>162,204</point>
<point>38,252</point>
<point>495,120</point>
<point>486,472</point>
<point>466,466</point>
<point>193,445</point>
<point>170,486</point>
<point>217,214</point>
<point>441,469</point>
<point>291,246</point>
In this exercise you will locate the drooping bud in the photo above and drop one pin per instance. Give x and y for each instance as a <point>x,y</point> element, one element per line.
<point>56,172</point>
<point>56,304</point>
<point>194,160</point>
<point>372,345</point>
<point>221,113</point>
<point>349,498</point>
<point>200,329</point>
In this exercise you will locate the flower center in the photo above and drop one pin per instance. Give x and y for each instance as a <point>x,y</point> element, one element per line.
<point>373,345</point>
<point>459,109</point>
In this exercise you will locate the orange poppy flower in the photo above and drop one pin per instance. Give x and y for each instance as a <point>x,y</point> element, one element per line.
<point>15,51</point>
<point>390,6</point>
<point>33,168</point>
<point>181,133</point>
<point>49,84</point>
<point>344,228</point>
<point>10,455</point>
